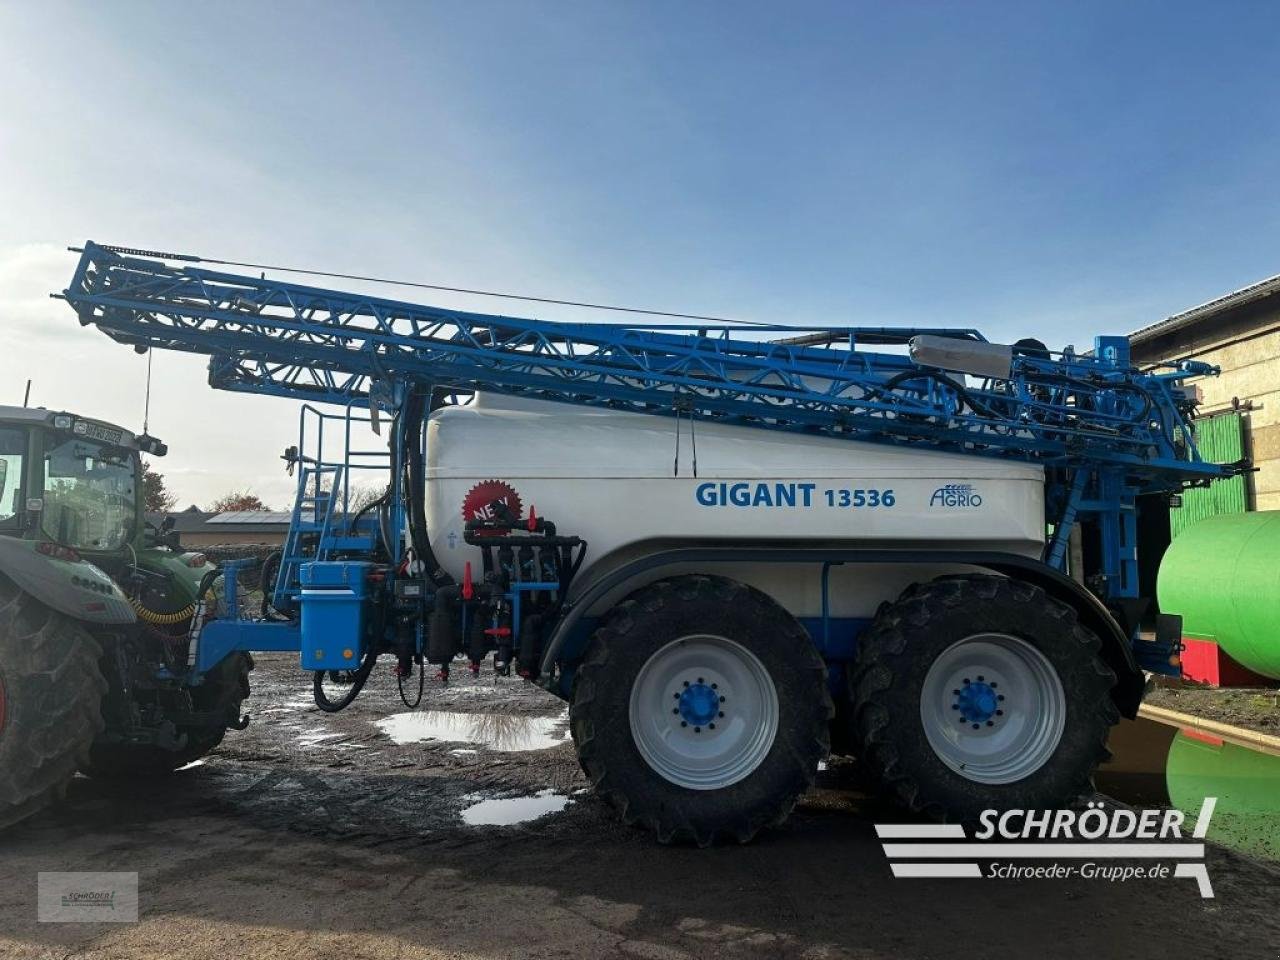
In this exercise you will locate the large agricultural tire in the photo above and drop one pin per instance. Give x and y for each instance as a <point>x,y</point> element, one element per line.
<point>225,689</point>
<point>50,702</point>
<point>701,710</point>
<point>982,692</point>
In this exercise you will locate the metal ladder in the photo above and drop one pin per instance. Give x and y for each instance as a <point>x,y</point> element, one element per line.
<point>311,535</point>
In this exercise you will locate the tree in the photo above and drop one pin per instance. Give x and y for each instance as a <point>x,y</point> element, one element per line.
<point>237,500</point>
<point>155,494</point>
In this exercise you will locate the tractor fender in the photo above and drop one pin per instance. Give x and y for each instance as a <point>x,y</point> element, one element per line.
<point>74,587</point>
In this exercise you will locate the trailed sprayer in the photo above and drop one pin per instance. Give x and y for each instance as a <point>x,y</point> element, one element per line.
<point>728,547</point>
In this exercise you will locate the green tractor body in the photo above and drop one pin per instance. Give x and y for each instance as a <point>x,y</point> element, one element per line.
<point>98,612</point>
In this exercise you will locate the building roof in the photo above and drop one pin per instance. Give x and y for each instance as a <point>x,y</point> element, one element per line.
<point>184,521</point>
<point>252,516</point>
<point>231,523</point>
<point>1237,298</point>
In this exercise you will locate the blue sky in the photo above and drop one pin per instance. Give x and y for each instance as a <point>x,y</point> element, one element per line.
<point>1032,170</point>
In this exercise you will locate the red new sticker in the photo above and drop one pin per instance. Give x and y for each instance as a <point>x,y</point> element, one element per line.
<point>486,500</point>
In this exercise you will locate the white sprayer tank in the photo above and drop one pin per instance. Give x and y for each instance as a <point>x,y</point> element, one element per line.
<point>623,482</point>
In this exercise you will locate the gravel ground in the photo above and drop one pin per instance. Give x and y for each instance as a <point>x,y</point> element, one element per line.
<point>314,836</point>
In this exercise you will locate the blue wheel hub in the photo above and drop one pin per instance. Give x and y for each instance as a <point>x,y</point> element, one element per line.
<point>699,704</point>
<point>978,703</point>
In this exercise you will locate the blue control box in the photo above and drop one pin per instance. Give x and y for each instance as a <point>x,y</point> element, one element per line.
<point>333,605</point>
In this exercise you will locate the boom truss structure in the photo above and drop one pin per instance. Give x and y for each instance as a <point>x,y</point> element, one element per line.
<point>1065,411</point>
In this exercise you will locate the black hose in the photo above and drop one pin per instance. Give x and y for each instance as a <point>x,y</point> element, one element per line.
<point>267,579</point>
<point>964,395</point>
<point>206,582</point>
<point>422,685</point>
<point>355,521</point>
<point>384,527</point>
<point>415,409</point>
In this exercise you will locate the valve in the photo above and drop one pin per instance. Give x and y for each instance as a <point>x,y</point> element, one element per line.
<point>502,657</point>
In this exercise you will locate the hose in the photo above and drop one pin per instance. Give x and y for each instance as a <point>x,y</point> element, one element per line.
<point>355,521</point>
<point>958,388</point>
<point>186,613</point>
<point>161,619</point>
<point>267,579</point>
<point>422,685</point>
<point>415,409</point>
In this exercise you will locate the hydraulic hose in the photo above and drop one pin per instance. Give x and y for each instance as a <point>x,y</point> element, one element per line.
<point>416,409</point>
<point>161,619</point>
<point>355,522</point>
<point>158,619</point>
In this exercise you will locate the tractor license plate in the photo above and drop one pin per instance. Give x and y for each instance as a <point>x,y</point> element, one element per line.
<point>94,431</point>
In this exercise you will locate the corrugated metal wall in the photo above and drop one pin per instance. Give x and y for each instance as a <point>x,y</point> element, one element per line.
<point>1220,440</point>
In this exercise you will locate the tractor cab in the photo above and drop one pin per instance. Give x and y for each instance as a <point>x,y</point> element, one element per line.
<point>72,527</point>
<point>70,482</point>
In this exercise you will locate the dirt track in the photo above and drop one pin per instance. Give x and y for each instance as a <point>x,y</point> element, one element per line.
<point>287,843</point>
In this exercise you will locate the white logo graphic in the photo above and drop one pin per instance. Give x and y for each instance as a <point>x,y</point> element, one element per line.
<point>1082,838</point>
<point>87,897</point>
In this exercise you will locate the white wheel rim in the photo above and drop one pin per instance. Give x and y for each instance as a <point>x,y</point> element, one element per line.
<point>703,712</point>
<point>993,708</point>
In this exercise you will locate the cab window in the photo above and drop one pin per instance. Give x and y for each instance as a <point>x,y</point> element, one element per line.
<point>13,454</point>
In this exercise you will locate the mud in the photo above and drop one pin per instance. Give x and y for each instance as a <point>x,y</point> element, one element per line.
<point>315,836</point>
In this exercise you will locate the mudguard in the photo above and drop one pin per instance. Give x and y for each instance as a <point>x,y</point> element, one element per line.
<point>76,588</point>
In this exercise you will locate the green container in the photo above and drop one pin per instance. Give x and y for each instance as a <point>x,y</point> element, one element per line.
<point>1223,576</point>
<point>1220,439</point>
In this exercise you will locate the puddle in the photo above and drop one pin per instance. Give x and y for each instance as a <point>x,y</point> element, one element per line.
<point>1159,765</point>
<point>468,692</point>
<point>463,753</point>
<point>193,764</point>
<point>504,812</point>
<point>504,732</point>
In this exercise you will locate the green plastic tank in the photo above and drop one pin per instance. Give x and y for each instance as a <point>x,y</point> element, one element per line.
<point>1222,575</point>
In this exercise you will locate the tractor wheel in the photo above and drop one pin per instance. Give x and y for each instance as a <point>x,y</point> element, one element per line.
<point>50,702</point>
<point>226,687</point>
<point>701,710</point>
<point>977,693</point>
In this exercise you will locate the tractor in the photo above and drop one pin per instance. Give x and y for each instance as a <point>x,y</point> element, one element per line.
<point>97,611</point>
